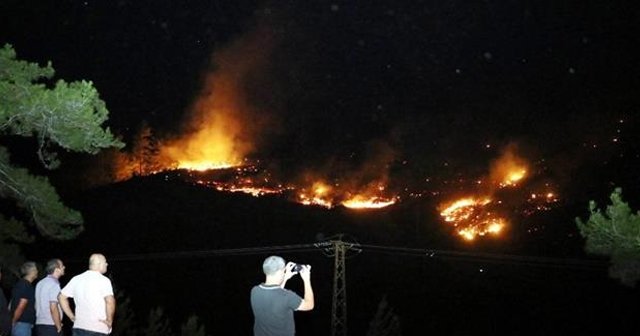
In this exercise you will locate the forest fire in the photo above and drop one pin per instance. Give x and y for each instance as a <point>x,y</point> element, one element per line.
<point>513,177</point>
<point>226,128</point>
<point>371,202</point>
<point>472,217</point>
<point>249,179</point>
<point>482,214</point>
<point>203,165</point>
<point>318,194</point>
<point>327,196</point>
<point>247,189</point>
<point>509,170</point>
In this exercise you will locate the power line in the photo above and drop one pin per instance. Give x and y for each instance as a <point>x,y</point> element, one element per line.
<point>489,257</point>
<point>525,260</point>
<point>216,252</point>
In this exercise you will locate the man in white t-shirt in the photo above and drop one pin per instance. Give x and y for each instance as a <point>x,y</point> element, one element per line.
<point>48,312</point>
<point>93,296</point>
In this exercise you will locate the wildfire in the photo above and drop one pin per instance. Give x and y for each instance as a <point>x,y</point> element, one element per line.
<point>513,177</point>
<point>509,170</point>
<point>203,165</point>
<point>540,201</point>
<point>478,215</point>
<point>323,194</point>
<point>471,217</point>
<point>318,195</point>
<point>368,202</point>
<point>247,189</point>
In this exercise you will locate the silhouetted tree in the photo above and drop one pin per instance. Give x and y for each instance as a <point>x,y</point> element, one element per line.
<point>157,323</point>
<point>385,322</point>
<point>145,151</point>
<point>124,323</point>
<point>192,327</point>
<point>67,116</point>
<point>614,233</point>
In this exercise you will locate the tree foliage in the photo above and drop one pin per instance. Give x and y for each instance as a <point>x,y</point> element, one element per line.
<point>124,321</point>
<point>141,159</point>
<point>157,323</point>
<point>614,232</point>
<point>66,116</point>
<point>385,322</point>
<point>192,327</point>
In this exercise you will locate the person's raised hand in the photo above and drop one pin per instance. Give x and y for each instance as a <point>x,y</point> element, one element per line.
<point>305,272</point>
<point>288,270</point>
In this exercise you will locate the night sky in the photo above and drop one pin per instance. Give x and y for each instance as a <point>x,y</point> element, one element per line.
<point>431,80</point>
<point>444,86</point>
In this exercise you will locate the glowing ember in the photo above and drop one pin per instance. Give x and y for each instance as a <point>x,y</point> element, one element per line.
<point>252,190</point>
<point>247,189</point>
<point>540,201</point>
<point>471,217</point>
<point>363,202</point>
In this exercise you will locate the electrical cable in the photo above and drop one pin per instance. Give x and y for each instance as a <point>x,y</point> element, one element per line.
<point>326,247</point>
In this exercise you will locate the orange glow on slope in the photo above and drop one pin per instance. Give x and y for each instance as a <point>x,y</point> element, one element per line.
<point>509,170</point>
<point>368,202</point>
<point>248,179</point>
<point>513,177</point>
<point>253,191</point>
<point>212,147</point>
<point>328,196</point>
<point>219,138</point>
<point>223,123</point>
<point>471,218</point>
<point>319,194</point>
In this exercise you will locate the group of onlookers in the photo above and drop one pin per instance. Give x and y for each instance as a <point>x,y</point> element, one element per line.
<point>40,309</point>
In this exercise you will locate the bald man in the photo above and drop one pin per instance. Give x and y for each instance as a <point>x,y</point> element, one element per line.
<point>273,305</point>
<point>93,296</point>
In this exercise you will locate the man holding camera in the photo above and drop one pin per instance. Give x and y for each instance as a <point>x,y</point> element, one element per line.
<point>272,304</point>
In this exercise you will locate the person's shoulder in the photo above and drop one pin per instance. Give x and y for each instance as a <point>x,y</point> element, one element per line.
<point>44,280</point>
<point>20,288</point>
<point>104,277</point>
<point>41,283</point>
<point>20,284</point>
<point>76,277</point>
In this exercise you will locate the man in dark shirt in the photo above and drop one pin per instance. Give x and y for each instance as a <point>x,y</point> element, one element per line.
<point>23,301</point>
<point>273,305</point>
<point>5,319</point>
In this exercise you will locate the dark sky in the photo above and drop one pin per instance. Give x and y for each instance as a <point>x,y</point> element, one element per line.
<point>436,81</point>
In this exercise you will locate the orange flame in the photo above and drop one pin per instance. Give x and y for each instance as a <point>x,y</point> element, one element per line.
<point>318,195</point>
<point>368,202</point>
<point>509,170</point>
<point>328,196</point>
<point>223,125</point>
<point>471,218</point>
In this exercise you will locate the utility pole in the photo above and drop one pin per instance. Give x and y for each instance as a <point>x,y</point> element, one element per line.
<point>339,305</point>
<point>338,248</point>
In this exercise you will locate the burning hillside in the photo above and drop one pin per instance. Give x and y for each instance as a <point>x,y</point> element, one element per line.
<point>225,131</point>
<point>485,211</point>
